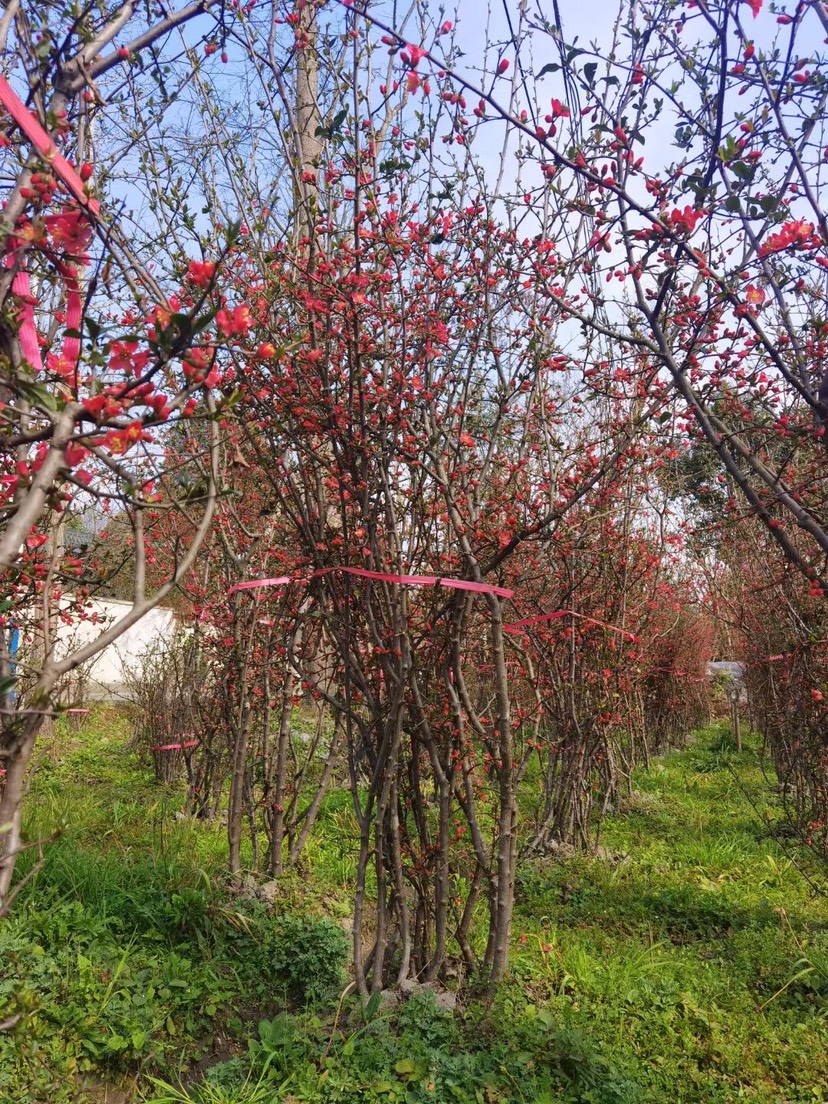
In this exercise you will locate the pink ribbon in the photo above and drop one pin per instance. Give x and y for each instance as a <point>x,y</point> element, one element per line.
<point>20,285</point>
<point>282,580</point>
<point>28,331</point>
<point>44,145</point>
<point>516,626</point>
<point>29,343</point>
<point>364,573</point>
<point>72,345</point>
<point>174,747</point>
<point>786,655</point>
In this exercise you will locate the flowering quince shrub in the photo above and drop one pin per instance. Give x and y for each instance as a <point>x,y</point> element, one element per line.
<point>410,416</point>
<point>774,621</point>
<point>786,674</point>
<point>83,430</point>
<point>704,263</point>
<point>249,650</point>
<point>97,358</point>
<point>622,676</point>
<point>693,263</point>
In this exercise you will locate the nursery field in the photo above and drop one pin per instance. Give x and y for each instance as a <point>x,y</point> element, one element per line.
<point>686,961</point>
<point>416,416</point>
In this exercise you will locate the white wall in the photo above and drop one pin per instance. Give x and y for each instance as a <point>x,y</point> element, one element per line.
<point>106,670</point>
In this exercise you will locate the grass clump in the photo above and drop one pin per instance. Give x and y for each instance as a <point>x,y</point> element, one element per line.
<point>417,1053</point>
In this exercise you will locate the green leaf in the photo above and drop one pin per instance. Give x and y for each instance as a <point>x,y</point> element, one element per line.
<point>406,1068</point>
<point>139,1039</point>
<point>39,395</point>
<point>372,1006</point>
<point>590,69</point>
<point>204,320</point>
<point>729,150</point>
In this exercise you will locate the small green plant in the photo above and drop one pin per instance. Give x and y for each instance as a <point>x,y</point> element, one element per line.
<point>260,1091</point>
<point>309,956</point>
<point>281,1044</point>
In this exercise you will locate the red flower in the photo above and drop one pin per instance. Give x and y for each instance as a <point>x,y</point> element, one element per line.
<point>201,272</point>
<point>235,323</point>
<point>793,233</point>
<point>71,232</point>
<point>74,454</point>
<point>684,220</point>
<point>412,55</point>
<point>95,405</point>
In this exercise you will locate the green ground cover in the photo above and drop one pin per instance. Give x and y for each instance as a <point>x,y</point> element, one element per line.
<point>687,963</point>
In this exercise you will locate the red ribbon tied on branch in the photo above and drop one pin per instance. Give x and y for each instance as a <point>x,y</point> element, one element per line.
<point>45,146</point>
<point>364,573</point>
<point>516,626</point>
<point>432,580</point>
<point>20,285</point>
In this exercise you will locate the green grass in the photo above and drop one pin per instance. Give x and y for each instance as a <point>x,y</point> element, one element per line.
<point>689,965</point>
<point>125,953</point>
<point>697,957</point>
